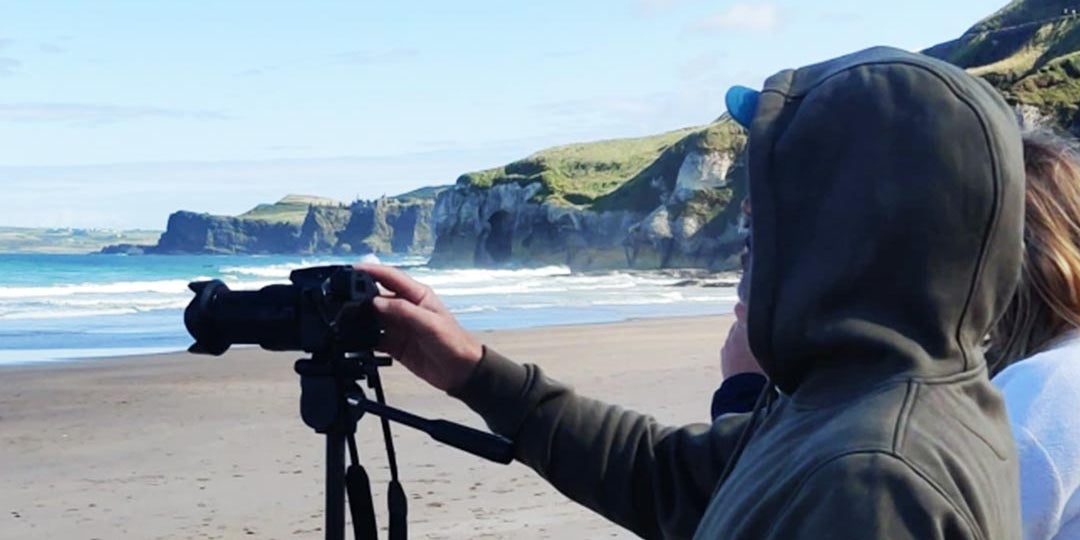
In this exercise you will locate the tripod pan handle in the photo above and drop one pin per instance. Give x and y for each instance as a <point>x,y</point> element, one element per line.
<point>478,443</point>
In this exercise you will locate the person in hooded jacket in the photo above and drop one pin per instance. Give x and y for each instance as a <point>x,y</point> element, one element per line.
<point>887,191</point>
<point>1034,347</point>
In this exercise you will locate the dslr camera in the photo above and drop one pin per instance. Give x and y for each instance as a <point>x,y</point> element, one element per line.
<point>325,309</point>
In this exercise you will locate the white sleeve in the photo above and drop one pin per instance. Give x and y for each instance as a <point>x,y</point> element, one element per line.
<point>1042,394</point>
<point>1041,494</point>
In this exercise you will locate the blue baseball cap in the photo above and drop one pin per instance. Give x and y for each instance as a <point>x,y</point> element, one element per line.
<point>742,104</point>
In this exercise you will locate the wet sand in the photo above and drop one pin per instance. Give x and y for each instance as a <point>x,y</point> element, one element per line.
<point>183,446</point>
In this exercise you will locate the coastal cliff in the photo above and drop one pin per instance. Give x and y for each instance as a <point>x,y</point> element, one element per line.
<point>1030,51</point>
<point>189,232</point>
<point>669,200</point>
<point>302,225</point>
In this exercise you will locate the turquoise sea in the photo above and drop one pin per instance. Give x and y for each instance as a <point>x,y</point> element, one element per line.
<point>59,307</point>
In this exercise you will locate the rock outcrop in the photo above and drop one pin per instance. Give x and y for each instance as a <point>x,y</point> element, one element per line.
<point>189,232</point>
<point>387,225</point>
<point>675,211</point>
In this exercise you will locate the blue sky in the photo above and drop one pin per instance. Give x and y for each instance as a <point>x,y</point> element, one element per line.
<point>116,113</point>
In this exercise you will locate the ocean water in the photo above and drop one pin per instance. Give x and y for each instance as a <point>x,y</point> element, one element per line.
<point>58,307</point>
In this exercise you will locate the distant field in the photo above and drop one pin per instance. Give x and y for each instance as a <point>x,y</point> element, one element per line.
<point>63,241</point>
<point>278,213</point>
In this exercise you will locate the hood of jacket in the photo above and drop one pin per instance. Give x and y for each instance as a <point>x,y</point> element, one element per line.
<point>887,192</point>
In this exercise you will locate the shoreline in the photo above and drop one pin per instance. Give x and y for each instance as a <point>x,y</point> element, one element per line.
<point>183,446</point>
<point>109,354</point>
<point>70,308</point>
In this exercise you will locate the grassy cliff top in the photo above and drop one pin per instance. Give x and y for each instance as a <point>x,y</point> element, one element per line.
<point>587,173</point>
<point>294,208</point>
<point>424,193</point>
<point>1029,51</point>
<point>291,209</point>
<point>1019,12</point>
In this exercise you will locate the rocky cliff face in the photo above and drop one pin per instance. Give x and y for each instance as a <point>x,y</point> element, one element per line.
<point>189,232</point>
<point>677,211</point>
<point>320,231</point>
<point>503,224</point>
<point>387,225</point>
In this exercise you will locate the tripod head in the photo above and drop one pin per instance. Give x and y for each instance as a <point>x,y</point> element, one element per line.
<point>320,378</point>
<point>331,403</point>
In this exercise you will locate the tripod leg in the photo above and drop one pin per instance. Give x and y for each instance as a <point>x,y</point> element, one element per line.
<point>335,486</point>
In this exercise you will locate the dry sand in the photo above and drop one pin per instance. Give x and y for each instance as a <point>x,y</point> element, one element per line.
<point>183,446</point>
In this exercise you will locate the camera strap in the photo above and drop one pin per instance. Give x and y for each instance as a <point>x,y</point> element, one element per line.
<point>397,504</point>
<point>358,483</point>
<point>358,486</point>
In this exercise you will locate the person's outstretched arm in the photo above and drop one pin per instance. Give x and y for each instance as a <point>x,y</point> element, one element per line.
<point>651,479</point>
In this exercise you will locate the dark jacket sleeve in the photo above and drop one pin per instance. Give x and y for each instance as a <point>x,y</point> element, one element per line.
<point>869,495</point>
<point>654,480</point>
<point>737,394</point>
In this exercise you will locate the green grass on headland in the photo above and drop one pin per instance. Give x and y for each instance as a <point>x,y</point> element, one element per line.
<point>642,191</point>
<point>1021,12</point>
<point>291,209</point>
<point>294,208</point>
<point>596,174</point>
<point>429,192</point>
<point>1029,51</point>
<point>577,174</point>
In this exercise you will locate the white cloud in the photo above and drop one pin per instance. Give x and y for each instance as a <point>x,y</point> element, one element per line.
<point>388,56</point>
<point>8,66</point>
<point>701,66</point>
<point>92,113</point>
<point>51,48</point>
<point>743,16</point>
<point>650,7</point>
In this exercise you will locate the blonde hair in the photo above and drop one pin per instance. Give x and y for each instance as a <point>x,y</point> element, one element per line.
<point>1047,302</point>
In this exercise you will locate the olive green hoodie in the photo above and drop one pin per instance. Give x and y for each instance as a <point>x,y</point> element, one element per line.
<point>887,190</point>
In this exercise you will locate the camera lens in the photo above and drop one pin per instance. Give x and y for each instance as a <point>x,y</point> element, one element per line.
<point>218,317</point>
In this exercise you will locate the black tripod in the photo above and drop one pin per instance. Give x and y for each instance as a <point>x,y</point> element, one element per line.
<point>331,402</point>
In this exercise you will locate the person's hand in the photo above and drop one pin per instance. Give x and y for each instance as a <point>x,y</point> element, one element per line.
<point>420,332</point>
<point>735,356</point>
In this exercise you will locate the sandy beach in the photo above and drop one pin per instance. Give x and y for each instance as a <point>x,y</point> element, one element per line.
<point>184,446</point>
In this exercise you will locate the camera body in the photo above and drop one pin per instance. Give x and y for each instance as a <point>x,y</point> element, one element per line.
<point>325,309</point>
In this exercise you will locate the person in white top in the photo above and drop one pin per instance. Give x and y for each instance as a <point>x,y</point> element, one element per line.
<point>1035,347</point>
